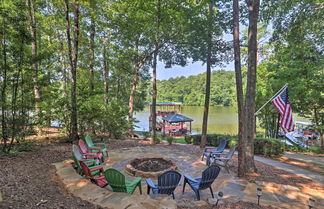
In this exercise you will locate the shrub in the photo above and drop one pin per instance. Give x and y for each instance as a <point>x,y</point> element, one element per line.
<point>268,147</point>
<point>188,139</point>
<point>168,139</point>
<point>213,139</point>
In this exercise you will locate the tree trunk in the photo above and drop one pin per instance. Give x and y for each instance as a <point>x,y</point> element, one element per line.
<point>64,84</point>
<point>133,90</point>
<point>92,49</point>
<point>105,73</point>
<point>154,92</point>
<point>239,87</point>
<point>73,57</point>
<point>154,95</point>
<point>318,122</point>
<point>208,75</point>
<point>249,109</point>
<point>32,28</point>
<point>4,89</point>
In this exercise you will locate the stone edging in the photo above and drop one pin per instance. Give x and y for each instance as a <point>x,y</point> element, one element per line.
<point>84,189</point>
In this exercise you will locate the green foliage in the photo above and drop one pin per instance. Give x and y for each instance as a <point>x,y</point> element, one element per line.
<point>317,150</point>
<point>23,146</point>
<point>296,58</point>
<point>268,147</point>
<point>168,139</point>
<point>212,139</point>
<point>188,139</point>
<point>191,90</point>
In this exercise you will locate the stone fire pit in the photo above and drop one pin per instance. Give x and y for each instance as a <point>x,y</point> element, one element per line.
<point>149,167</point>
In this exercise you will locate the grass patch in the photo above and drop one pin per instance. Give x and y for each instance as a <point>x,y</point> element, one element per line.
<point>180,140</point>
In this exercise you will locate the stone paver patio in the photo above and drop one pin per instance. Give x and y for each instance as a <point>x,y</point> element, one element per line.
<point>282,196</point>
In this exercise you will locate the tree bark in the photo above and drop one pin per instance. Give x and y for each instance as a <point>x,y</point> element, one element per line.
<point>73,57</point>
<point>239,88</point>
<point>105,73</point>
<point>208,76</point>
<point>133,90</point>
<point>4,89</point>
<point>92,50</point>
<point>249,109</point>
<point>32,28</point>
<point>64,81</point>
<point>154,92</point>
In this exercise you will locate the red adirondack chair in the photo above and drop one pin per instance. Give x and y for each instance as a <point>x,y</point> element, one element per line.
<point>98,179</point>
<point>87,152</point>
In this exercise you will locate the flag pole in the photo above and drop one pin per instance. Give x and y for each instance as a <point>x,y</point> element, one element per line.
<point>271,99</point>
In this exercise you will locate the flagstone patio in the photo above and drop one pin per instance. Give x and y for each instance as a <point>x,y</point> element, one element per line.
<point>234,189</point>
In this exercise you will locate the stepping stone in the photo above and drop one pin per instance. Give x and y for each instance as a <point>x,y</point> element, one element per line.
<point>236,186</point>
<point>283,198</point>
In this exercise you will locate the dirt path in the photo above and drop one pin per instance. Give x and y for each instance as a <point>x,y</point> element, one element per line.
<point>306,158</point>
<point>28,180</point>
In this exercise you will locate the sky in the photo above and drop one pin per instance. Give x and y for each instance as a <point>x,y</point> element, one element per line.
<point>191,69</point>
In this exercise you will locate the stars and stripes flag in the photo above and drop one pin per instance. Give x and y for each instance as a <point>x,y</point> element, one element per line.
<point>282,104</point>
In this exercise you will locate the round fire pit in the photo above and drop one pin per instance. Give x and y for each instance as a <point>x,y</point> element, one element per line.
<point>149,167</point>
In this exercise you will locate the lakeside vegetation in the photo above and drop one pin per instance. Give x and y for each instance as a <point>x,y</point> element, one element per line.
<point>191,90</point>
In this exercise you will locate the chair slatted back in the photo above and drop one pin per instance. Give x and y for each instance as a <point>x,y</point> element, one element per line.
<point>82,146</point>
<point>116,180</point>
<point>76,152</point>
<point>168,181</point>
<point>86,170</point>
<point>230,153</point>
<point>208,176</point>
<point>221,145</point>
<point>89,141</point>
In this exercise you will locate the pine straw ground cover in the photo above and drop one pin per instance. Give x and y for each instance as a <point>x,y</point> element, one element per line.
<point>28,179</point>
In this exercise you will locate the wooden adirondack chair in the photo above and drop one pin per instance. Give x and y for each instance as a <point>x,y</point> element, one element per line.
<point>206,180</point>
<point>102,146</point>
<point>118,183</point>
<point>98,178</point>
<point>87,152</point>
<point>222,161</point>
<point>214,150</point>
<point>167,182</point>
<point>77,158</point>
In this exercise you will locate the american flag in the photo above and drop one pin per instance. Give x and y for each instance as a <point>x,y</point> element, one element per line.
<point>282,104</point>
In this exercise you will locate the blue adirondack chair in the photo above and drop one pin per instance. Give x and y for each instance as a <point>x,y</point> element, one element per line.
<point>206,180</point>
<point>167,182</point>
<point>214,150</point>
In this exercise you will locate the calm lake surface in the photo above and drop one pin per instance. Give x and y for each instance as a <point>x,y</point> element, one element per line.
<point>221,120</point>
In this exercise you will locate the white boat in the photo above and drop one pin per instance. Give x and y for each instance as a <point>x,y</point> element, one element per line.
<point>296,139</point>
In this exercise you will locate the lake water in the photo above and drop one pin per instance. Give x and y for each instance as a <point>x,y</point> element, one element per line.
<point>221,120</point>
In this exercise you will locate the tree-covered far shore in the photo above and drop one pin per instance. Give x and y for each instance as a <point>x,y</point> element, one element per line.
<point>191,90</point>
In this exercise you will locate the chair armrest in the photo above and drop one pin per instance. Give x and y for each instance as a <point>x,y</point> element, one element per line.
<point>98,167</point>
<point>100,144</point>
<point>89,154</point>
<point>90,162</point>
<point>135,181</point>
<point>209,148</point>
<point>150,183</point>
<point>94,148</point>
<point>190,178</point>
<point>221,158</point>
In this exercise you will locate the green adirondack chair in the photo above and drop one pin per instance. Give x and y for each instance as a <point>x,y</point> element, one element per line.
<point>118,183</point>
<point>90,144</point>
